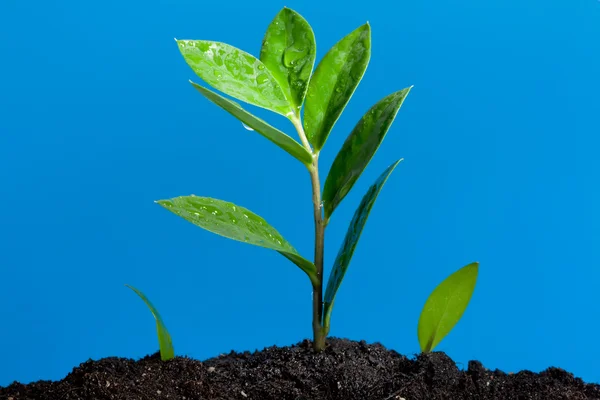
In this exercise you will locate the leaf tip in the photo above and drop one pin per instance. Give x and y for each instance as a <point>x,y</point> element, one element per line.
<point>163,203</point>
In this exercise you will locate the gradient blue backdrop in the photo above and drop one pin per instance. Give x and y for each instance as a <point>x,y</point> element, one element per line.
<point>500,137</point>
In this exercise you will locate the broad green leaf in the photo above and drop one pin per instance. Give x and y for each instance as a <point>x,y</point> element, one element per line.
<point>237,223</point>
<point>288,51</point>
<point>445,306</point>
<point>164,339</point>
<point>359,148</point>
<point>274,135</point>
<point>236,73</point>
<point>333,83</point>
<point>355,229</point>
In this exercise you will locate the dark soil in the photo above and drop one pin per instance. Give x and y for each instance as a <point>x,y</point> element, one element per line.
<point>346,370</point>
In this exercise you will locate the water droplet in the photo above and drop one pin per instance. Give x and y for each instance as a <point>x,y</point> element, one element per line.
<point>261,67</point>
<point>247,128</point>
<point>292,55</point>
<point>245,216</point>
<point>262,78</point>
<point>321,204</point>
<point>234,208</point>
<point>234,220</point>
<point>197,214</point>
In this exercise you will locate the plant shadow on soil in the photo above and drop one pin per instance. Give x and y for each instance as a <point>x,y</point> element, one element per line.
<point>346,370</point>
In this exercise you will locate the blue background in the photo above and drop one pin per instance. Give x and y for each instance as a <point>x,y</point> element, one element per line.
<point>500,137</point>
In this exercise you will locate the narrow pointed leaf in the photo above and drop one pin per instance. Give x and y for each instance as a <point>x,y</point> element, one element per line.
<point>237,223</point>
<point>333,83</point>
<point>359,148</point>
<point>282,140</point>
<point>236,73</point>
<point>164,338</point>
<point>355,229</point>
<point>445,306</point>
<point>288,50</point>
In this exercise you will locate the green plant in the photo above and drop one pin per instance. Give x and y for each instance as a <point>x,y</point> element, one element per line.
<point>282,80</point>
<point>445,306</point>
<point>164,338</point>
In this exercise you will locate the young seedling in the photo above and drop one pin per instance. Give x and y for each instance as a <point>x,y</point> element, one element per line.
<point>164,339</point>
<point>282,80</point>
<point>445,306</point>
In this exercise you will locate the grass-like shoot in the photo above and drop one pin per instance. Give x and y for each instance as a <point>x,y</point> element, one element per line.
<point>164,338</point>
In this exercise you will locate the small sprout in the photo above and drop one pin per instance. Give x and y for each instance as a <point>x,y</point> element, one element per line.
<point>164,339</point>
<point>445,306</point>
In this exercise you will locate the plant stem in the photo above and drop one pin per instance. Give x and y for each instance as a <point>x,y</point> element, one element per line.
<point>319,333</point>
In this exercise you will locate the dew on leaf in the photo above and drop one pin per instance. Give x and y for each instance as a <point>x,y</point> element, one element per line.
<point>262,78</point>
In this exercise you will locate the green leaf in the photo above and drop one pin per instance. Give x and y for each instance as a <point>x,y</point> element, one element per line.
<point>274,135</point>
<point>445,306</point>
<point>237,223</point>
<point>236,73</point>
<point>355,229</point>
<point>288,51</point>
<point>164,339</point>
<point>359,148</point>
<point>333,83</point>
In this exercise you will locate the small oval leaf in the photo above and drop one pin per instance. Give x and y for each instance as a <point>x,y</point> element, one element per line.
<point>237,223</point>
<point>359,148</point>
<point>355,229</point>
<point>445,306</point>
<point>288,50</point>
<point>333,83</point>
<point>251,122</point>
<point>236,73</point>
<point>164,338</point>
